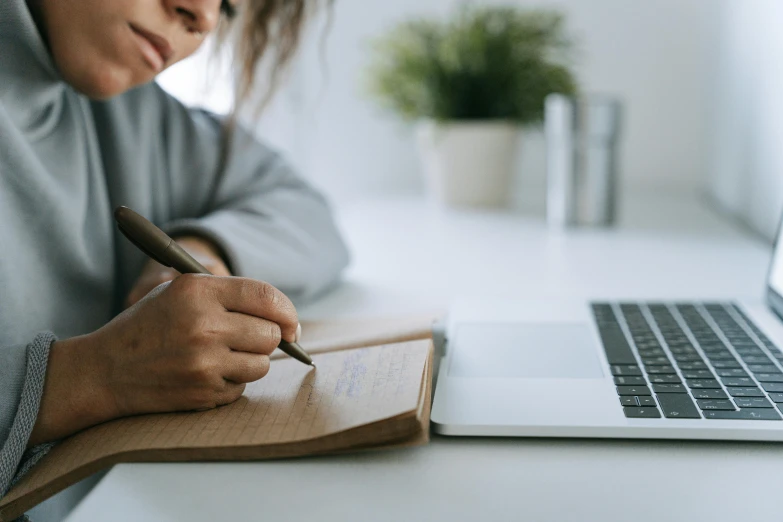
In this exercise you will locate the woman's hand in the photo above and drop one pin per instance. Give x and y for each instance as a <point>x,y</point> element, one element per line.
<point>154,273</point>
<point>190,344</point>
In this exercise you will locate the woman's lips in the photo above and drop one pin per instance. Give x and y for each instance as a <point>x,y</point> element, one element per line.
<point>155,49</point>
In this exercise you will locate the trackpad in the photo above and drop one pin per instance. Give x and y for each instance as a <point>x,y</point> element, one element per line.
<point>524,351</point>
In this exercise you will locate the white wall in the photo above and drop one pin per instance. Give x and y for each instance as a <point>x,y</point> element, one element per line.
<point>657,56</point>
<point>747,167</point>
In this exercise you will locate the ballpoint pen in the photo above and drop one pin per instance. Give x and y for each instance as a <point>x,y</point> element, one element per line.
<point>159,246</point>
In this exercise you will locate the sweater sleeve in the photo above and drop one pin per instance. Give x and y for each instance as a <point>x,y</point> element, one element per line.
<point>22,371</point>
<point>270,223</point>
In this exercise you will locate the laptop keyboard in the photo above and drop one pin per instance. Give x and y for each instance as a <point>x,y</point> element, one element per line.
<point>690,361</point>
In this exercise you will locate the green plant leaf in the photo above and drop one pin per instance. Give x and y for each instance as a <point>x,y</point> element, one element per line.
<point>483,63</point>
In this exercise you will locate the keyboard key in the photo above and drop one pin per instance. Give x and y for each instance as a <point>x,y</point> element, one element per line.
<point>665,379</point>
<point>641,334</point>
<point>776,397</point>
<point>743,414</point>
<point>709,394</point>
<point>694,366</point>
<point>616,346</point>
<point>753,402</point>
<point>641,413</point>
<point>734,363</point>
<point>738,381</point>
<point>626,370</point>
<point>660,369</point>
<point>630,381</point>
<point>686,358</point>
<point>655,360</point>
<point>769,377</point>
<point>646,401</point>
<point>703,384</point>
<point>628,401</point>
<point>772,386</point>
<point>677,406</point>
<point>669,388</point>
<point>763,368</point>
<point>711,345</point>
<point>698,374</point>
<point>745,392</point>
<point>721,356</point>
<point>713,404</point>
<point>750,352</point>
<point>753,359</point>
<point>733,372</point>
<point>683,350</point>
<point>634,390</point>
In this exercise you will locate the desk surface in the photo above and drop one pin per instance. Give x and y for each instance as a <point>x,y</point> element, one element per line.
<point>409,257</point>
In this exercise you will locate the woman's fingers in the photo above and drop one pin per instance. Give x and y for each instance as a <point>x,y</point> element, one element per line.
<point>246,333</point>
<point>258,299</point>
<point>243,367</point>
<point>250,340</point>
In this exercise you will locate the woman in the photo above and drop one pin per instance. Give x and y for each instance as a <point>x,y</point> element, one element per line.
<point>83,129</point>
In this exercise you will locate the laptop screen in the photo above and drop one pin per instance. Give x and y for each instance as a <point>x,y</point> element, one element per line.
<point>775,279</point>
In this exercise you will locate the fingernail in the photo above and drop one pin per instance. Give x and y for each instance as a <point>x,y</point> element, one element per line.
<point>298,332</point>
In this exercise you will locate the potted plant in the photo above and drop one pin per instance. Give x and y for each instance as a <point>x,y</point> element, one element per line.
<point>470,82</point>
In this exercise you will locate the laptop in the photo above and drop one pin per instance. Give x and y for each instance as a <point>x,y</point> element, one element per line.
<point>659,370</point>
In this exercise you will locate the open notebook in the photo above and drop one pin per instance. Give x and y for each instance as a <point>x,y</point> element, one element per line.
<point>371,389</point>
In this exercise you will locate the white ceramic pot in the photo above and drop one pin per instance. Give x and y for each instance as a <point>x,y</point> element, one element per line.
<point>468,164</point>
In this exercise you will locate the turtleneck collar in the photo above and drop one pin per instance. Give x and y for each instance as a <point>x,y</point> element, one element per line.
<point>31,88</point>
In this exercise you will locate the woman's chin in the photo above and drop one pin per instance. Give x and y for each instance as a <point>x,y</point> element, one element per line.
<point>104,81</point>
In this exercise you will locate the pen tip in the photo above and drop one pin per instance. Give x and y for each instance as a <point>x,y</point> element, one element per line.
<point>312,364</point>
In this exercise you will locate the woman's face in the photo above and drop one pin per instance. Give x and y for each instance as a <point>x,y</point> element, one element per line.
<point>105,47</point>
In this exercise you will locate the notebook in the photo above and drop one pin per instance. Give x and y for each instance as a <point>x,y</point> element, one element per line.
<point>371,389</point>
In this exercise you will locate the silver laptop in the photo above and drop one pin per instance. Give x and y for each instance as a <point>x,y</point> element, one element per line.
<point>684,370</point>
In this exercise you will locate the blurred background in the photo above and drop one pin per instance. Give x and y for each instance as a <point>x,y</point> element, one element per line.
<point>698,79</point>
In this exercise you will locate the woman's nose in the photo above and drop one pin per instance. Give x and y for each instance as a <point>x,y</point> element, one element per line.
<point>200,16</point>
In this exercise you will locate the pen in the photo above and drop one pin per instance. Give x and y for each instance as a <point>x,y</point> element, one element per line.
<point>159,246</point>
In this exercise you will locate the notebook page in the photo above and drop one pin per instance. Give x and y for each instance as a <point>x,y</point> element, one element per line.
<point>293,403</point>
<point>341,334</point>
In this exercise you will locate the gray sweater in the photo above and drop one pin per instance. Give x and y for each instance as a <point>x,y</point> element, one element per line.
<point>67,161</point>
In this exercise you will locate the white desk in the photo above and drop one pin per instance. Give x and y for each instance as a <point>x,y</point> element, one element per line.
<point>407,259</point>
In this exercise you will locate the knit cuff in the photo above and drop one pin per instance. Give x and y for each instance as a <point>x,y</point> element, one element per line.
<point>14,460</point>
